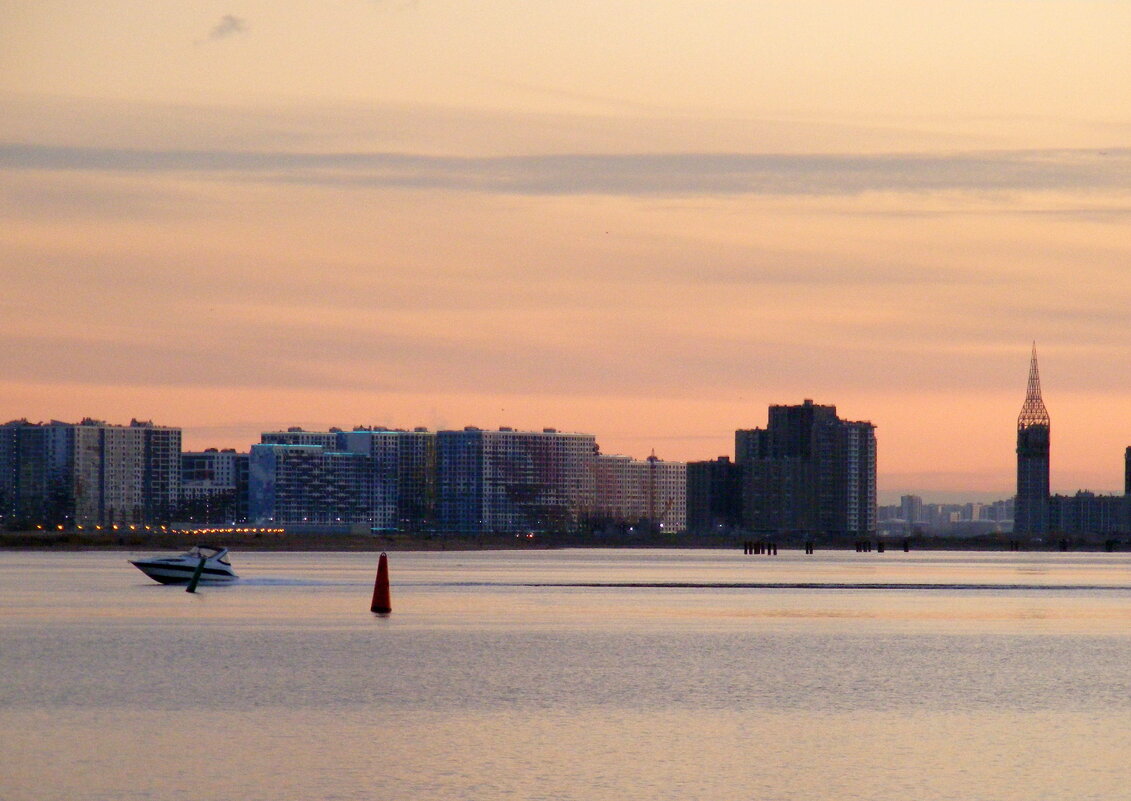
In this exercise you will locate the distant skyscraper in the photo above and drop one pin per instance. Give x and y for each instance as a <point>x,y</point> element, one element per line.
<point>911,508</point>
<point>1031,509</point>
<point>809,471</point>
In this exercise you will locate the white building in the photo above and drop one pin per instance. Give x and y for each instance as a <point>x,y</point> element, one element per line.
<point>642,491</point>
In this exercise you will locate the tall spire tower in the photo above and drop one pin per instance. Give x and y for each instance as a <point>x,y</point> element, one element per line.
<point>1031,507</point>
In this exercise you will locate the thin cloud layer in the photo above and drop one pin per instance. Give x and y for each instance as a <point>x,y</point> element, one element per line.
<point>626,175</point>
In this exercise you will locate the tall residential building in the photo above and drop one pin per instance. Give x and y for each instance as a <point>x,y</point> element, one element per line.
<point>1127,489</point>
<point>509,481</point>
<point>648,491</point>
<point>89,473</point>
<point>1031,509</point>
<point>714,495</point>
<point>402,467</point>
<point>809,472</point>
<point>214,486</point>
<point>1086,513</point>
<point>308,485</point>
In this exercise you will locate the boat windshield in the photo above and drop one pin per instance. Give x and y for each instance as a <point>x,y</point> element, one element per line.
<point>205,551</point>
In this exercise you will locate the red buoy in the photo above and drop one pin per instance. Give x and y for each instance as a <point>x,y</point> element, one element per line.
<point>381,603</point>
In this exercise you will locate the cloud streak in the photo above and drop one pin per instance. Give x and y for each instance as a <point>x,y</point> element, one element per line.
<point>229,25</point>
<point>671,174</point>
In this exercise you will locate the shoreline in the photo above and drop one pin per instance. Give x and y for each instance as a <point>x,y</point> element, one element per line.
<point>181,541</point>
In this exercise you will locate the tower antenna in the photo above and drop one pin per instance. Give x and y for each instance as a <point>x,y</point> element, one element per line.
<point>1033,412</point>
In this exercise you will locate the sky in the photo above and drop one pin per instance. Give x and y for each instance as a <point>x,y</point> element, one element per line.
<point>648,221</point>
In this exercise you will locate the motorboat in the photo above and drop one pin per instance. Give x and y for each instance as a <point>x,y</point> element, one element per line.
<point>180,569</point>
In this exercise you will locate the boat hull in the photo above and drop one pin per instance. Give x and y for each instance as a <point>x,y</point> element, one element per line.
<point>172,573</point>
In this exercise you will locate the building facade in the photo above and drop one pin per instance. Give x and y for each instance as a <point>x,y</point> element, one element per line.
<point>509,481</point>
<point>214,487</point>
<point>809,472</point>
<point>299,436</point>
<point>402,475</point>
<point>1087,513</point>
<point>89,473</point>
<point>308,485</point>
<point>714,495</point>
<point>650,492</point>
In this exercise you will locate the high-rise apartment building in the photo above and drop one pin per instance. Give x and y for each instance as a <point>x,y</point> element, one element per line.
<point>809,472</point>
<point>89,473</point>
<point>714,495</point>
<point>1031,508</point>
<point>402,470</point>
<point>1127,489</point>
<point>509,481</point>
<point>214,486</point>
<point>308,485</point>
<point>646,491</point>
<point>1086,513</point>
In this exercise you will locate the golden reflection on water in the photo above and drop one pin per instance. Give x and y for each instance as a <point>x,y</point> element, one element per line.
<point>479,686</point>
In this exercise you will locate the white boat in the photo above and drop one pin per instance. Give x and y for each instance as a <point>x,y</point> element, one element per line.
<point>179,569</point>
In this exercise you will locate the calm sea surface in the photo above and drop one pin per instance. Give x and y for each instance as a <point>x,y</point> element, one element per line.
<point>834,676</point>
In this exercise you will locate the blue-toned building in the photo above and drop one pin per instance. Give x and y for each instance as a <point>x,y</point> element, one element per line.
<point>509,481</point>
<point>402,475</point>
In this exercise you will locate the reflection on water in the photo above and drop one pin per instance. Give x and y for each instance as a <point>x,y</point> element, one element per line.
<point>995,676</point>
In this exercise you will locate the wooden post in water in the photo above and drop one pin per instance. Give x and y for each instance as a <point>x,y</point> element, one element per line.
<point>381,602</point>
<point>196,576</point>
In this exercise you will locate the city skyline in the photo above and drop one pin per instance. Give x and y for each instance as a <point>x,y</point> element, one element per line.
<point>645,225</point>
<point>321,435</point>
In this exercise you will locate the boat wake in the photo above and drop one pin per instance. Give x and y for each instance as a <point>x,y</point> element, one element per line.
<point>267,581</point>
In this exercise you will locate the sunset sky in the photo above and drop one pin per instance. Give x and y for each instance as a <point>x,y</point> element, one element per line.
<point>643,220</point>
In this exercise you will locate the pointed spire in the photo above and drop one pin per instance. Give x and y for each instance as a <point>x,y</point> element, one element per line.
<point>1033,412</point>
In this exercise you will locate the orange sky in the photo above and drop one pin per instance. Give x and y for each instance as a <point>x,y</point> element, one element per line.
<point>644,221</point>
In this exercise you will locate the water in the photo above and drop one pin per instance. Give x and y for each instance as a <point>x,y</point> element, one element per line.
<point>838,676</point>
